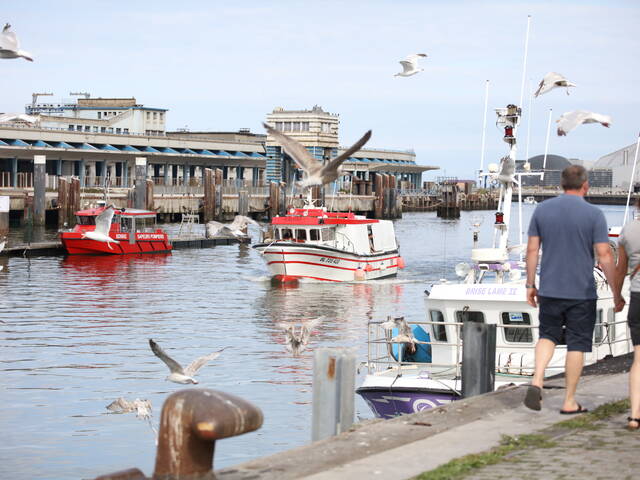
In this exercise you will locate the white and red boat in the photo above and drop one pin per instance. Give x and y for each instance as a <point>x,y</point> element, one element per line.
<point>132,231</point>
<point>312,243</point>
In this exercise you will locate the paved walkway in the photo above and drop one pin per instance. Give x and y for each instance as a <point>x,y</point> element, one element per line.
<point>610,452</point>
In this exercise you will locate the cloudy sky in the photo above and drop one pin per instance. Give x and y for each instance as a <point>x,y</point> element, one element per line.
<point>220,65</point>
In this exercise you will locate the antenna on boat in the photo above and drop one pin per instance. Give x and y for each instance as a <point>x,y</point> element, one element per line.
<point>484,129</point>
<point>524,63</point>
<point>631,182</point>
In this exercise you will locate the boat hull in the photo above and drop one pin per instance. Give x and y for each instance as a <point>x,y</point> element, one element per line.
<point>74,244</point>
<point>387,402</point>
<point>289,261</point>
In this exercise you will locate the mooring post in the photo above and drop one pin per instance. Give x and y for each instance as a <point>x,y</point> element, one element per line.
<point>334,378</point>
<point>63,200</point>
<point>73,204</point>
<point>39,184</point>
<point>379,193</point>
<point>209,205</point>
<point>478,358</point>
<point>150,205</point>
<point>273,199</point>
<point>140,189</point>
<point>218,177</point>
<point>5,204</point>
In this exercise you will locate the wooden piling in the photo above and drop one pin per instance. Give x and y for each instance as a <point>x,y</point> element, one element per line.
<point>73,203</point>
<point>274,196</point>
<point>378,203</point>
<point>63,201</point>
<point>209,205</point>
<point>150,205</point>
<point>39,185</point>
<point>218,177</point>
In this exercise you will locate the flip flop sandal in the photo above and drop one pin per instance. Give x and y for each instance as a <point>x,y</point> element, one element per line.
<point>580,409</point>
<point>533,398</point>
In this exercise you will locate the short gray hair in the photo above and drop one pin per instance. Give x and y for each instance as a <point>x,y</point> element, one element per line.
<point>573,177</point>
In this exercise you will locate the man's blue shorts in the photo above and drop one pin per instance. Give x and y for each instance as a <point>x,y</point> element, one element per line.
<point>568,321</point>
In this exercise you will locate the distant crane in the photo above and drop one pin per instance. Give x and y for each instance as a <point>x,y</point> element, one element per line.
<point>34,98</point>
<point>86,94</point>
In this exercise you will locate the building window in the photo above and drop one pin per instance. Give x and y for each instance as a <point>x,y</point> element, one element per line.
<point>148,115</point>
<point>279,126</point>
<point>125,131</point>
<point>518,335</point>
<point>304,127</point>
<point>155,116</point>
<point>87,128</point>
<point>110,130</point>
<point>295,126</point>
<point>118,130</point>
<point>325,127</point>
<point>71,128</point>
<point>161,116</point>
<point>99,115</point>
<point>287,126</point>
<point>103,129</point>
<point>78,128</point>
<point>95,129</point>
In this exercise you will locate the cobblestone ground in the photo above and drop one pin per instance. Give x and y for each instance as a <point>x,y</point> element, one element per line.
<point>607,453</point>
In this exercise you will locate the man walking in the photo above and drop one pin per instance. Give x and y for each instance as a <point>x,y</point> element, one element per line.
<point>568,229</point>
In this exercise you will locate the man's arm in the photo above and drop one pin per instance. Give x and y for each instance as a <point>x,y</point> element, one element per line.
<point>533,246</point>
<point>605,259</point>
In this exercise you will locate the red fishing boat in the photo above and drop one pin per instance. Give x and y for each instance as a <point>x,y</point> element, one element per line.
<point>108,231</point>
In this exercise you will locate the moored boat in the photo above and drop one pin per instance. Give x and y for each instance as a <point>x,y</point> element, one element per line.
<point>131,231</point>
<point>314,244</point>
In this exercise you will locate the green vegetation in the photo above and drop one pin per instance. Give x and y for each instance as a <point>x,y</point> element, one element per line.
<point>461,466</point>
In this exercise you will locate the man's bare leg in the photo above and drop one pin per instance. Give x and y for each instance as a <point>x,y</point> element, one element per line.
<point>572,372</point>
<point>544,353</point>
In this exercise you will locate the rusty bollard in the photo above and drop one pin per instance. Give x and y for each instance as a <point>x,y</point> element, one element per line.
<point>191,422</point>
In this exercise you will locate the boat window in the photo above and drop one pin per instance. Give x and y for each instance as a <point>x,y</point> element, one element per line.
<point>519,335</point>
<point>469,316</point>
<point>125,224</point>
<point>328,234</point>
<point>85,220</point>
<point>598,331</point>
<point>314,234</point>
<point>286,234</point>
<point>301,234</point>
<point>439,331</point>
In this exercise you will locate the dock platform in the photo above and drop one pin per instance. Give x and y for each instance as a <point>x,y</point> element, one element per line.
<point>53,248</point>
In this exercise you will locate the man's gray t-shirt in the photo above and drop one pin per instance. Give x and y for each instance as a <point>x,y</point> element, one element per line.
<point>630,240</point>
<point>568,228</point>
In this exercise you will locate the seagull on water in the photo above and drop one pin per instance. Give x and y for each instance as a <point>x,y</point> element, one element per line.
<point>570,120</point>
<point>552,80</point>
<point>317,173</point>
<point>296,341</point>
<point>179,374</point>
<point>10,46</point>
<point>235,228</point>
<point>410,65</point>
<point>103,225</point>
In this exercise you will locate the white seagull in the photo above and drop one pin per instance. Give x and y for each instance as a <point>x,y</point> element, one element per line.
<point>297,341</point>
<point>317,173</point>
<point>10,46</point>
<point>122,405</point>
<point>103,225</point>
<point>405,334</point>
<point>570,120</point>
<point>235,228</point>
<point>179,374</point>
<point>410,65</point>
<point>553,80</point>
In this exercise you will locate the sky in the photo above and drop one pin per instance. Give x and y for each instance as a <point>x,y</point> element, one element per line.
<point>221,66</point>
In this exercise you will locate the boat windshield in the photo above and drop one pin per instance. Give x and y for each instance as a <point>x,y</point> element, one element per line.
<point>85,220</point>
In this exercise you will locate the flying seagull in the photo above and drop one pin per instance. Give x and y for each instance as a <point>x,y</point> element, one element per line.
<point>103,225</point>
<point>235,228</point>
<point>410,65</point>
<point>317,173</point>
<point>552,80</point>
<point>179,374</point>
<point>405,334</point>
<point>296,341</point>
<point>570,120</point>
<point>122,405</point>
<point>10,46</point>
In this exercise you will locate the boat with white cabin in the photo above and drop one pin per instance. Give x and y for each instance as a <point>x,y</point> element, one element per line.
<point>491,290</point>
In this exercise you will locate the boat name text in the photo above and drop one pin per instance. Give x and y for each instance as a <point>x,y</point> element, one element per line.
<point>491,291</point>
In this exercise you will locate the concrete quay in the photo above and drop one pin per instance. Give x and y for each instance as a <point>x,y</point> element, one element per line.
<point>410,445</point>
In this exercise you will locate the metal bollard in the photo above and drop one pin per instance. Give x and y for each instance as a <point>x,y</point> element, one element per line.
<point>334,378</point>
<point>191,422</point>
<point>478,358</point>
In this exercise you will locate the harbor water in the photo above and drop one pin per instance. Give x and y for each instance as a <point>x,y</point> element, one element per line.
<point>75,330</point>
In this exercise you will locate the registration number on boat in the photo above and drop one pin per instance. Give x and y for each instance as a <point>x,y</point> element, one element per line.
<point>333,261</point>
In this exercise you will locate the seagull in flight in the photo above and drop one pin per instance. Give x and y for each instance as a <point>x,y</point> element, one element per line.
<point>296,341</point>
<point>235,228</point>
<point>570,120</point>
<point>405,334</point>
<point>122,405</point>
<point>410,65</point>
<point>317,173</point>
<point>552,80</point>
<point>103,225</point>
<point>179,374</point>
<point>10,46</point>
